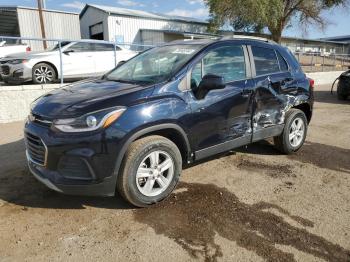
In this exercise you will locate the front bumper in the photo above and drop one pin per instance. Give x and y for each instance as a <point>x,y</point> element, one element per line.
<point>75,164</point>
<point>104,188</point>
<point>17,73</point>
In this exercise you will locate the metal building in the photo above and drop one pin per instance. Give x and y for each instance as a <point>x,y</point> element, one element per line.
<point>137,27</point>
<point>24,22</point>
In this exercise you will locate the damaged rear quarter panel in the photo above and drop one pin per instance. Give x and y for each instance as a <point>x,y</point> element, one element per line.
<point>274,95</point>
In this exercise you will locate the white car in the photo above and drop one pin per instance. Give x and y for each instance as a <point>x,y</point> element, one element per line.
<point>9,49</point>
<point>79,59</point>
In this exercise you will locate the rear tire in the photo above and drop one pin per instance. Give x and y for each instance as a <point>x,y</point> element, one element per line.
<point>43,73</point>
<point>294,132</point>
<point>342,97</point>
<point>150,171</point>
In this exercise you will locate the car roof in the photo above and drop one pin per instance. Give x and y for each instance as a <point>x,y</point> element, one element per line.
<point>241,39</point>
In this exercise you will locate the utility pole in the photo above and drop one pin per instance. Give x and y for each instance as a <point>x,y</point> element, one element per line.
<point>41,4</point>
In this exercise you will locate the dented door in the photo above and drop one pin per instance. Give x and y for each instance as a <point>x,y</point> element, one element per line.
<point>273,96</point>
<point>275,90</point>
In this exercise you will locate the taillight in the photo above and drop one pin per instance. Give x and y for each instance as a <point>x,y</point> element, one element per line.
<point>28,49</point>
<point>312,83</point>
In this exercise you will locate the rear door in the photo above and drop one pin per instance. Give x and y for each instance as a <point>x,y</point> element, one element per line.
<point>275,87</point>
<point>221,120</point>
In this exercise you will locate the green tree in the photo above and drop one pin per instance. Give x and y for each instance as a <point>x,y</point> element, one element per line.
<point>275,15</point>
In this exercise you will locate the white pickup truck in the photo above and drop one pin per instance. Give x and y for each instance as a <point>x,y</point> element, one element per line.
<point>9,49</point>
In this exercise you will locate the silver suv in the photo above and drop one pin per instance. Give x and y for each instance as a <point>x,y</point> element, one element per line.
<point>80,60</point>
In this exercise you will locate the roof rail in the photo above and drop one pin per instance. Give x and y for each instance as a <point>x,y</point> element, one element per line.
<point>247,37</point>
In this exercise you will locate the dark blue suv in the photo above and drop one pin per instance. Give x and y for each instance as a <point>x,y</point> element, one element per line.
<point>132,129</point>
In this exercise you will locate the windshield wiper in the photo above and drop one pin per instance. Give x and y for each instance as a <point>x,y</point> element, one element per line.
<point>128,81</point>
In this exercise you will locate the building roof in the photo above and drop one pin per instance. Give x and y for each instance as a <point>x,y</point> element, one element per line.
<point>184,33</point>
<point>342,38</point>
<point>143,14</point>
<point>15,7</point>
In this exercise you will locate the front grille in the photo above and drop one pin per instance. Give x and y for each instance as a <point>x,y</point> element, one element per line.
<point>36,149</point>
<point>5,70</point>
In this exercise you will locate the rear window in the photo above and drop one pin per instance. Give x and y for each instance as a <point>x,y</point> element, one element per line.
<point>282,62</point>
<point>265,60</point>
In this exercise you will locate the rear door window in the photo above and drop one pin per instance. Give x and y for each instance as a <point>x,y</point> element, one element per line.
<point>265,60</point>
<point>102,47</point>
<point>81,47</point>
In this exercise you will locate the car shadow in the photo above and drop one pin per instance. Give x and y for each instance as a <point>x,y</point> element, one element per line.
<point>19,187</point>
<point>320,155</point>
<point>327,97</point>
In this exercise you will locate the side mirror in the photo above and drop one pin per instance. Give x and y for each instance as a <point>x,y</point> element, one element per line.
<point>209,82</point>
<point>67,52</point>
<point>120,63</point>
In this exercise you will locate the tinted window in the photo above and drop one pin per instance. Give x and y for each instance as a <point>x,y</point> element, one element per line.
<point>225,61</point>
<point>265,60</point>
<point>81,47</point>
<point>282,62</point>
<point>102,47</point>
<point>57,47</point>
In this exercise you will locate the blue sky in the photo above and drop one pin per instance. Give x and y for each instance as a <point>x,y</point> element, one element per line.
<point>339,17</point>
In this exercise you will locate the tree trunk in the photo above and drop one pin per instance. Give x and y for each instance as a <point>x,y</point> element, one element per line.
<point>276,33</point>
<point>276,36</point>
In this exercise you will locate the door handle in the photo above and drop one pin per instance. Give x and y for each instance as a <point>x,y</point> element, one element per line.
<point>247,92</point>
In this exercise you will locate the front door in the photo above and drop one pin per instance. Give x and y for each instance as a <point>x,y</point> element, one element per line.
<point>78,61</point>
<point>104,58</point>
<point>223,116</point>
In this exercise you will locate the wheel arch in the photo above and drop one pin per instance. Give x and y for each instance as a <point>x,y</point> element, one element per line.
<point>306,108</point>
<point>48,63</point>
<point>171,131</point>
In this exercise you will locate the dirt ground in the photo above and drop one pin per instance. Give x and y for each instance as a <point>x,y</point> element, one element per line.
<point>251,204</point>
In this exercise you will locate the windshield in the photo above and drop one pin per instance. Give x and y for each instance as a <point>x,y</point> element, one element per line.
<point>57,47</point>
<point>155,65</point>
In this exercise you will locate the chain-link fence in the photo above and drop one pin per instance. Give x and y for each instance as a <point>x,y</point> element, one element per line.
<point>62,61</point>
<point>317,62</point>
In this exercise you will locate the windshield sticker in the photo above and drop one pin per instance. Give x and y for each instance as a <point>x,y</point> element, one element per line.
<point>183,51</point>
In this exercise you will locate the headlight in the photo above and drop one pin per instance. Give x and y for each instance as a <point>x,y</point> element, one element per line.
<point>89,122</point>
<point>17,61</point>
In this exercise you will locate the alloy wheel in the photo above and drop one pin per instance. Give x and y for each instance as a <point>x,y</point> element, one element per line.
<point>296,132</point>
<point>155,173</point>
<point>43,74</point>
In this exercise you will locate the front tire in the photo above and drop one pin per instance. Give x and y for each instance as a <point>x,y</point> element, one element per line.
<point>150,171</point>
<point>43,74</point>
<point>294,132</point>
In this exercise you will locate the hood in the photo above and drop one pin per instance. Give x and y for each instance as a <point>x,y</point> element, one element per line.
<point>29,55</point>
<point>88,96</point>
